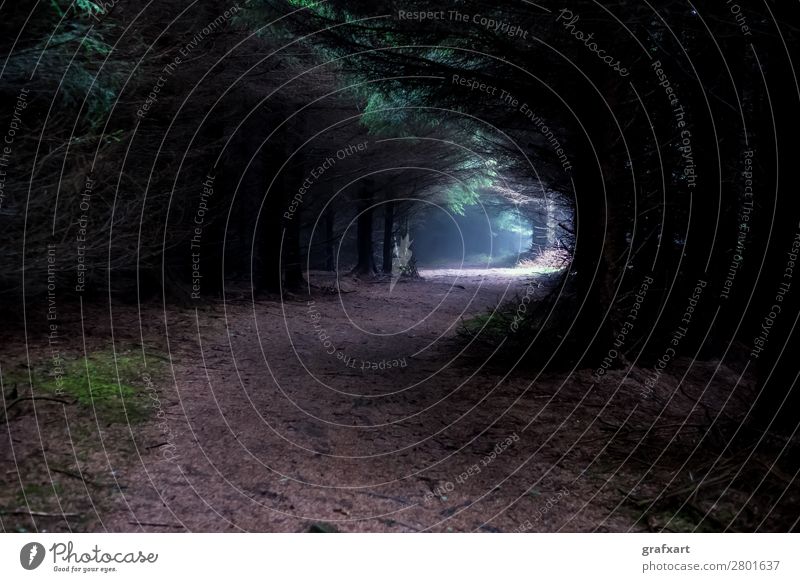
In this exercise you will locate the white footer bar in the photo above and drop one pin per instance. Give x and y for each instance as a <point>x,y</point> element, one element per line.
<point>400,557</point>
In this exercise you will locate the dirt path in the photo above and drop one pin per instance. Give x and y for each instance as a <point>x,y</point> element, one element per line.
<point>358,410</point>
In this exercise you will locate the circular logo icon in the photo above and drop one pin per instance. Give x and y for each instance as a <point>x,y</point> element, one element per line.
<point>31,555</point>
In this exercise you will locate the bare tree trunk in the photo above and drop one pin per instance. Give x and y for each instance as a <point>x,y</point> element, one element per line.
<point>293,258</point>
<point>388,227</point>
<point>330,216</point>
<point>268,259</point>
<point>296,172</point>
<point>366,260</point>
<point>551,222</point>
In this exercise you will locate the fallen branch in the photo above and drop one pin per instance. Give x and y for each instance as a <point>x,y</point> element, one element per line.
<point>4,412</point>
<point>81,478</point>
<point>36,513</point>
<point>150,524</point>
<point>34,398</point>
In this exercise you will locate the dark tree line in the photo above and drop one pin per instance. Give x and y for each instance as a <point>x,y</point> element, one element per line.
<point>676,164</point>
<point>659,142</point>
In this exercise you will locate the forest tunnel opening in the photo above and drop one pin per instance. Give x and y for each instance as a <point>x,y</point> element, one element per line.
<point>438,231</point>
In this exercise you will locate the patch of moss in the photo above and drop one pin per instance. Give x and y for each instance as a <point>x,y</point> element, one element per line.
<point>35,493</point>
<point>682,520</point>
<point>112,387</point>
<point>493,326</point>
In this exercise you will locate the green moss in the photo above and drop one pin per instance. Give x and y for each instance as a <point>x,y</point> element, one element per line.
<point>112,387</point>
<point>493,325</point>
<point>36,494</point>
<point>682,520</point>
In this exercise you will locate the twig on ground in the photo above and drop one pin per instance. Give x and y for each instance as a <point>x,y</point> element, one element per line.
<point>34,398</point>
<point>81,478</point>
<point>36,513</point>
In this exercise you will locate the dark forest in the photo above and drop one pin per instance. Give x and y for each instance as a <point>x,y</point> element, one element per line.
<point>289,266</point>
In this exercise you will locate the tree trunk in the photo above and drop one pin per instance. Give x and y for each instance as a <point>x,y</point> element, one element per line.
<point>330,254</point>
<point>551,222</point>
<point>293,266</point>
<point>366,260</point>
<point>778,291</point>
<point>293,257</point>
<point>600,216</point>
<point>388,227</point>
<point>267,262</point>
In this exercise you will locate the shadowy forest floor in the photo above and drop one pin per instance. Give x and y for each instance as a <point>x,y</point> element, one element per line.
<point>239,419</point>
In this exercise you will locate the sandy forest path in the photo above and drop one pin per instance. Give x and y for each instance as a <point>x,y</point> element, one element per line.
<point>356,411</point>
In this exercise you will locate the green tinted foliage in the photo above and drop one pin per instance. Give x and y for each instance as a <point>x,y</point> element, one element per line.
<point>512,221</point>
<point>318,8</point>
<point>89,7</point>
<point>460,196</point>
<point>467,192</point>
<point>393,115</point>
<point>70,40</point>
<point>81,7</point>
